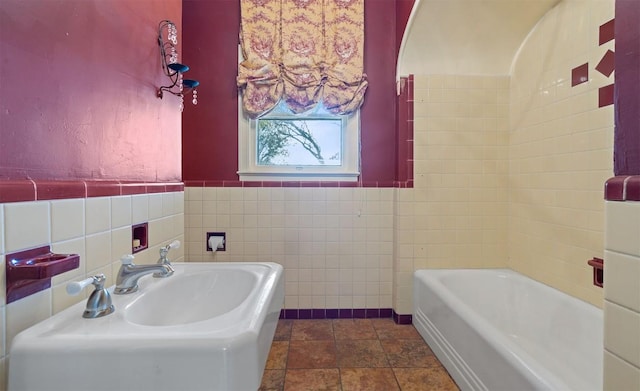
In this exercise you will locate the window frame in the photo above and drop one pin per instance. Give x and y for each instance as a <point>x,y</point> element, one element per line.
<point>249,170</point>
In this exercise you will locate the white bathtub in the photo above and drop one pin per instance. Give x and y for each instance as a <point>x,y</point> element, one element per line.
<point>495,329</point>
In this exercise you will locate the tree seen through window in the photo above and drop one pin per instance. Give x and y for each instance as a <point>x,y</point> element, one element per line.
<point>299,142</point>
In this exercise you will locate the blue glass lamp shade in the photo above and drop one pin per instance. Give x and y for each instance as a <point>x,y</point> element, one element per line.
<point>188,83</point>
<point>181,68</point>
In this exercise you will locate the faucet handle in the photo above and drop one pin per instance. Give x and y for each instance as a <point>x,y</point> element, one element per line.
<point>174,244</point>
<point>75,287</point>
<point>165,250</point>
<point>127,259</point>
<point>99,303</point>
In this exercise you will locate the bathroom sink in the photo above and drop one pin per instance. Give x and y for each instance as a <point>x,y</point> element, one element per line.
<point>209,293</point>
<point>207,327</point>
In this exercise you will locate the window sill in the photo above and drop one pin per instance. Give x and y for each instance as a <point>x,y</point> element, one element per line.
<point>299,177</point>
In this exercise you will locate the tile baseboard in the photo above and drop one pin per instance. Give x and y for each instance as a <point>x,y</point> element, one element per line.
<point>345,313</point>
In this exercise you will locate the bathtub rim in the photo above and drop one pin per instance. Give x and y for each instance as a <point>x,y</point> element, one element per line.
<point>508,350</point>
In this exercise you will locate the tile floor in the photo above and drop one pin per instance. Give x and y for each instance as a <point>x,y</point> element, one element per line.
<point>350,355</point>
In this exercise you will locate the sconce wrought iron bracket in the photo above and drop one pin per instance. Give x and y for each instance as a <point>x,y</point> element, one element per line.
<point>171,67</point>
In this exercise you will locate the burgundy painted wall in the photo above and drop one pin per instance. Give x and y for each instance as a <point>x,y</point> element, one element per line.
<point>210,131</point>
<point>379,137</point>
<point>210,141</point>
<point>627,88</point>
<point>78,89</point>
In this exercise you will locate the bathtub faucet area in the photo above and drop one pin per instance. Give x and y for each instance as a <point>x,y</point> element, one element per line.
<point>129,274</point>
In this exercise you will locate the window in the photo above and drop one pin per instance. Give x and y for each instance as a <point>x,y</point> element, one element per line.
<point>313,146</point>
<point>300,52</point>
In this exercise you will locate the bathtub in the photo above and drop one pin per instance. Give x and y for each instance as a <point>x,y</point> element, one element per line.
<point>495,329</point>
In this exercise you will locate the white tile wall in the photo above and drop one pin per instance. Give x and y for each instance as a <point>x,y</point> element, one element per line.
<point>98,250</point>
<point>27,224</point>
<point>560,150</point>
<point>336,244</point>
<point>621,278</point>
<point>622,332</point>
<point>3,371</point>
<point>139,208</point>
<point>67,219</point>
<point>155,206</point>
<point>121,244</point>
<point>120,211</point>
<point>3,294</point>
<point>3,347</point>
<point>26,312</point>
<point>2,231</point>
<point>619,374</point>
<point>97,229</point>
<point>622,296</point>
<point>456,214</point>
<point>97,214</point>
<point>623,233</point>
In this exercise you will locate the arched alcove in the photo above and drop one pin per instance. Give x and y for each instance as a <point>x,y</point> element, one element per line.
<point>473,37</point>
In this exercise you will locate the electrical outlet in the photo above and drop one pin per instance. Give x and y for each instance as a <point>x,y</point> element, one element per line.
<point>224,242</point>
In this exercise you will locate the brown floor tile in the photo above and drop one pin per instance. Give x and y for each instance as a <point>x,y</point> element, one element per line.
<point>420,379</point>
<point>361,354</point>
<point>314,330</point>
<point>368,379</point>
<point>272,380</point>
<point>364,354</point>
<point>312,380</point>
<point>278,355</point>
<point>354,329</point>
<point>312,354</point>
<point>283,330</point>
<point>409,353</point>
<point>388,329</point>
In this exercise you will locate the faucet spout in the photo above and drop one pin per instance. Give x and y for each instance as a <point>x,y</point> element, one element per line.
<point>129,274</point>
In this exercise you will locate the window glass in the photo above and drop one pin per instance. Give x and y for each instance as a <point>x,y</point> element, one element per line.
<point>313,140</point>
<point>315,145</point>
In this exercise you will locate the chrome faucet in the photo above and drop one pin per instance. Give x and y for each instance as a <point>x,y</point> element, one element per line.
<point>164,251</point>
<point>129,274</point>
<point>99,303</point>
<point>163,260</point>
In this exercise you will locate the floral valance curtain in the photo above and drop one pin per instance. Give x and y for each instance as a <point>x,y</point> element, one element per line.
<point>304,52</point>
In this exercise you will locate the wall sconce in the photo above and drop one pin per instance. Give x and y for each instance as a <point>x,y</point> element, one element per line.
<point>171,67</point>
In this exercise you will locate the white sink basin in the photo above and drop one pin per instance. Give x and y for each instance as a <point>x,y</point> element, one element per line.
<point>208,293</point>
<point>207,327</point>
